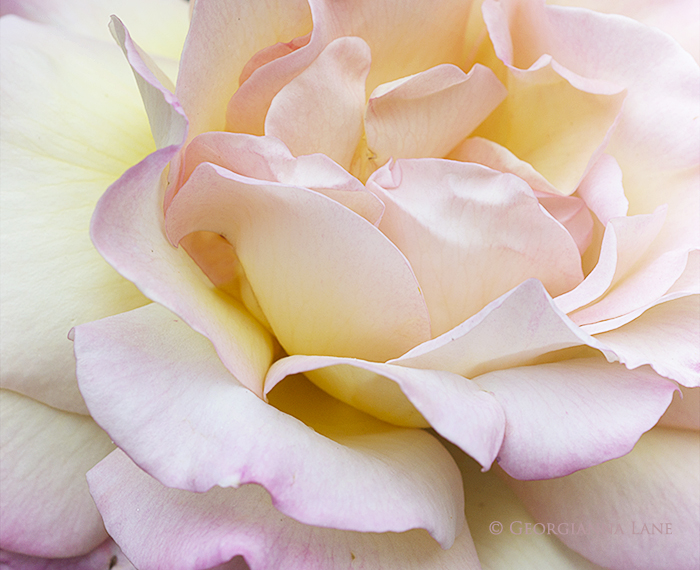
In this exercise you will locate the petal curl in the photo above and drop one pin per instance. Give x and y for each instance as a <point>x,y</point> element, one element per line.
<point>569,415</point>
<point>185,420</point>
<point>46,508</point>
<point>54,169</point>
<point>201,530</point>
<point>106,556</point>
<point>460,236</point>
<point>327,281</point>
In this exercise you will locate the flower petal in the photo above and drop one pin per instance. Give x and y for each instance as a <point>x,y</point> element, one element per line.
<point>454,406</point>
<point>684,411</point>
<point>426,115</point>
<point>167,400</point>
<point>223,36</point>
<point>641,510</point>
<point>198,531</point>
<point>569,415</point>
<point>461,235</point>
<point>602,190</point>
<point>46,508</point>
<point>54,168</point>
<point>316,268</point>
<point>665,336</point>
<point>159,25</point>
<point>106,556</point>
<point>321,110</point>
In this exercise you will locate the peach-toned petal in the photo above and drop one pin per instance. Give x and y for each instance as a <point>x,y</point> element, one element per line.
<point>198,531</point>
<point>569,415</point>
<point>462,235</point>
<point>54,169</point>
<point>160,26</point>
<point>327,280</point>
<point>267,158</point>
<point>223,36</point>
<point>427,114</point>
<point>163,395</point>
<point>666,336</point>
<point>321,110</point>
<point>684,411</point>
<point>46,508</point>
<point>639,512</point>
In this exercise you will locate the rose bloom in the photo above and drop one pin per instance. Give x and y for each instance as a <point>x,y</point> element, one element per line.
<point>424,272</point>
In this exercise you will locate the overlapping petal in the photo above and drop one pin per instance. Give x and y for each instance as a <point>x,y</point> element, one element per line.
<point>198,531</point>
<point>328,281</point>
<point>185,420</point>
<point>474,236</point>
<point>107,555</point>
<point>46,508</point>
<point>71,124</point>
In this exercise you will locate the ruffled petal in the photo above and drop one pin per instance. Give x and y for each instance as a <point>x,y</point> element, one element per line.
<point>162,394</point>
<point>223,36</point>
<point>46,508</point>
<point>426,115</point>
<point>159,25</point>
<point>328,281</point>
<point>321,110</point>
<point>569,415</point>
<point>54,168</point>
<point>462,235</point>
<point>639,512</point>
<point>197,531</point>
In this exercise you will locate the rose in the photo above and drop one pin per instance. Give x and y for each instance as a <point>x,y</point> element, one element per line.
<point>398,481</point>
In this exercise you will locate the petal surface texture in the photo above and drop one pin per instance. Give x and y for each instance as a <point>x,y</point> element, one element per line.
<point>327,280</point>
<point>193,426</point>
<point>54,169</point>
<point>201,530</point>
<point>475,235</point>
<point>641,510</point>
<point>46,508</point>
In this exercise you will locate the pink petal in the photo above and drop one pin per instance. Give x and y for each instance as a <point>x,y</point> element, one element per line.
<point>54,170</point>
<point>127,229</point>
<point>223,36</point>
<point>666,336</point>
<point>159,25</point>
<point>107,556</point>
<point>46,508</point>
<point>452,405</point>
<point>295,243</point>
<point>460,236</point>
<point>321,110</point>
<point>572,213</point>
<point>514,330</point>
<point>197,531</point>
<point>684,411</point>
<point>602,190</point>
<point>427,114</point>
<point>639,511</point>
<point>267,158</point>
<point>569,415</point>
<point>167,119</point>
<point>162,394</point>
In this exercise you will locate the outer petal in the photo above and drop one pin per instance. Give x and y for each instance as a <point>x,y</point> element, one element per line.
<point>200,530</point>
<point>641,511</point>
<point>106,556</point>
<point>46,508</point>
<point>566,416</point>
<point>159,25</point>
<point>183,418</point>
<point>428,114</point>
<point>54,168</point>
<point>327,280</point>
<point>461,235</point>
<point>223,36</point>
<point>666,336</point>
<point>321,110</point>
<point>454,406</point>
